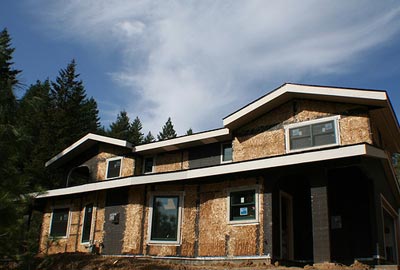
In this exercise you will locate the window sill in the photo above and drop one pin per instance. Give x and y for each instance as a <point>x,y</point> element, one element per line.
<point>288,151</point>
<point>163,243</point>
<point>243,223</point>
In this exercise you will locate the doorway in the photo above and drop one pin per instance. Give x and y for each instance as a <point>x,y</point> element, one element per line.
<point>286,225</point>
<point>389,227</point>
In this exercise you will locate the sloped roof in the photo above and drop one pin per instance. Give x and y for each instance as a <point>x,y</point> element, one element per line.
<point>83,144</point>
<point>384,118</point>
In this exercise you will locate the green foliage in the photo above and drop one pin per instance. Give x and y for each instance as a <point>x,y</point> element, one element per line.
<point>135,130</point>
<point>189,131</point>
<point>149,138</point>
<point>168,131</point>
<point>120,129</point>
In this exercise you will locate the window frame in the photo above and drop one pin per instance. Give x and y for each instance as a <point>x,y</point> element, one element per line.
<point>152,167</point>
<point>91,223</point>
<point>178,240</point>
<point>222,152</point>
<point>68,222</point>
<point>288,127</point>
<point>120,168</point>
<point>256,220</point>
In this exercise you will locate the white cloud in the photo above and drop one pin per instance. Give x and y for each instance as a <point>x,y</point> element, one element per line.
<point>197,61</point>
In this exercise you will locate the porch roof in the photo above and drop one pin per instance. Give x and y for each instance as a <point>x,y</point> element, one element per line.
<point>235,167</point>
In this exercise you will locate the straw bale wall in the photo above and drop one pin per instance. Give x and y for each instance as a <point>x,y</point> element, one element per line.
<point>265,136</point>
<point>98,163</point>
<point>76,217</point>
<point>171,161</point>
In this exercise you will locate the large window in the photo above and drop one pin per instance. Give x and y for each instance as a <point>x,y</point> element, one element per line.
<point>59,222</point>
<point>87,223</point>
<point>165,219</point>
<point>321,132</point>
<point>243,206</point>
<point>148,165</point>
<point>226,155</point>
<point>114,167</point>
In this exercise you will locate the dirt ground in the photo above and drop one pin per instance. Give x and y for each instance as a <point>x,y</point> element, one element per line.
<point>95,262</point>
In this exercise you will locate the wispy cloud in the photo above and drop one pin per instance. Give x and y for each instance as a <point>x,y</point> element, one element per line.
<point>196,61</point>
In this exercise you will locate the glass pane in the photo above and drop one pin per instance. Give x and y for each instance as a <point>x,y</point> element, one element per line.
<point>148,165</point>
<point>243,205</point>
<point>324,139</point>
<point>59,222</point>
<point>300,132</point>
<point>323,128</point>
<point>165,218</point>
<point>87,223</point>
<point>227,152</point>
<point>300,143</point>
<point>324,133</point>
<point>114,167</point>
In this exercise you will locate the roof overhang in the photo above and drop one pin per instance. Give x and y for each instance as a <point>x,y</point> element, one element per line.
<point>373,98</point>
<point>236,167</point>
<point>213,136</point>
<point>83,144</point>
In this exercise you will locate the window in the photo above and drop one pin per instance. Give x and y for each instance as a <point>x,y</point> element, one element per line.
<point>114,167</point>
<point>59,222</point>
<point>243,206</point>
<point>321,132</point>
<point>226,152</point>
<point>87,223</point>
<point>148,165</point>
<point>165,219</point>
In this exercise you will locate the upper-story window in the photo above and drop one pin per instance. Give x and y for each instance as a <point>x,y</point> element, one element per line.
<point>226,152</point>
<point>148,165</point>
<point>114,166</point>
<point>312,134</point>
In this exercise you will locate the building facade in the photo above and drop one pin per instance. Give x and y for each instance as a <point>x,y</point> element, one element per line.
<point>302,174</point>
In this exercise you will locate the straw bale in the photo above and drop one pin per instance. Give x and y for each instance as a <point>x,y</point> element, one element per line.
<point>170,161</point>
<point>162,250</point>
<point>189,221</point>
<point>185,160</point>
<point>243,240</point>
<point>134,213</point>
<point>355,129</point>
<point>212,223</point>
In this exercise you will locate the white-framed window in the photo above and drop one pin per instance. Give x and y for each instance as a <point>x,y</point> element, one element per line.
<point>87,223</point>
<point>148,164</point>
<point>59,225</point>
<point>243,205</point>
<point>114,167</point>
<point>323,132</point>
<point>226,152</point>
<point>165,218</point>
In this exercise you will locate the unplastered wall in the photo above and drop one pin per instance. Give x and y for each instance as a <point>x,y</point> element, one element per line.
<point>72,243</point>
<point>171,161</point>
<point>265,136</point>
<point>204,225</point>
<point>98,164</point>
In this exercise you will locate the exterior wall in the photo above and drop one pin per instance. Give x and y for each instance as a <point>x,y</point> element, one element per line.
<point>98,163</point>
<point>265,136</point>
<point>171,161</point>
<point>73,243</point>
<point>206,155</point>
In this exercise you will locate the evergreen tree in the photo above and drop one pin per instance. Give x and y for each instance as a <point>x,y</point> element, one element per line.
<point>136,135</point>
<point>149,138</point>
<point>12,185</point>
<point>189,131</point>
<point>168,131</point>
<point>73,114</point>
<point>120,129</point>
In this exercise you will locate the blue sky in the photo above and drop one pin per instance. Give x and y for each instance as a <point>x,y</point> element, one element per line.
<point>198,61</point>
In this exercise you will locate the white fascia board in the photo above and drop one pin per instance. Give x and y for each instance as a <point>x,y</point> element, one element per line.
<point>272,162</point>
<point>203,136</point>
<point>89,136</point>
<point>307,90</point>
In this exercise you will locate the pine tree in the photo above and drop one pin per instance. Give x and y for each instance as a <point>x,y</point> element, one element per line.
<point>168,131</point>
<point>149,138</point>
<point>189,131</point>
<point>120,129</point>
<point>73,114</point>
<point>135,131</point>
